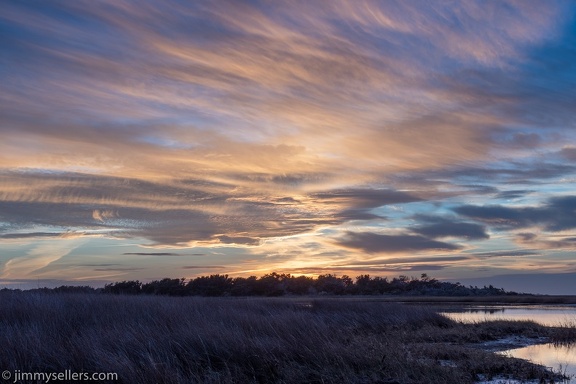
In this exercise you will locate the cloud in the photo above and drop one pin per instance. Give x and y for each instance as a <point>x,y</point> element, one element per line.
<point>179,212</point>
<point>273,74</point>
<point>569,153</point>
<point>65,235</point>
<point>304,75</point>
<point>500,215</point>
<point>99,265</point>
<point>242,124</point>
<point>432,260</point>
<point>358,214</point>
<point>555,215</point>
<point>463,230</point>
<point>151,254</point>
<point>103,215</point>
<point>533,240</point>
<point>355,204</point>
<point>443,227</point>
<point>120,269</point>
<point>20,214</point>
<point>365,198</point>
<point>510,253</point>
<point>176,212</point>
<point>504,173</point>
<point>39,257</point>
<point>352,269</point>
<point>238,240</point>
<point>513,194</point>
<point>30,235</point>
<point>377,243</point>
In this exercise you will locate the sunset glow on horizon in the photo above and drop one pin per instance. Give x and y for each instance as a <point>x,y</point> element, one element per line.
<point>143,140</point>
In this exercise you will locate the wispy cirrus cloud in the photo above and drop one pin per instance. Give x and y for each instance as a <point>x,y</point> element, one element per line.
<point>200,76</point>
<point>273,129</point>
<point>38,258</point>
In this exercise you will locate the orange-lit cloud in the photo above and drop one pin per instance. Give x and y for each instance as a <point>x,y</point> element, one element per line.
<point>315,133</point>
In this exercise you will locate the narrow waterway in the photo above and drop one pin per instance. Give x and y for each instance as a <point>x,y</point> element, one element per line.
<point>549,315</point>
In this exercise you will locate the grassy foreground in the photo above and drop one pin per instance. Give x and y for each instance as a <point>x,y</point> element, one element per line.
<point>151,339</point>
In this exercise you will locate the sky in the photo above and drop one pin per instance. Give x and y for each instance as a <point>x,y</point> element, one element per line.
<point>145,139</point>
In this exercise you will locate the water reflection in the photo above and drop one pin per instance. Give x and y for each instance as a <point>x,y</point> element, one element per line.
<point>545,315</point>
<point>489,310</point>
<point>558,358</point>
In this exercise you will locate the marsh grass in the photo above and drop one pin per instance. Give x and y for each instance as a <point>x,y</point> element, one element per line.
<point>564,334</point>
<point>151,339</point>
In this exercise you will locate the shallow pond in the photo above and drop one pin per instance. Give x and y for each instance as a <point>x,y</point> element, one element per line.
<point>557,358</point>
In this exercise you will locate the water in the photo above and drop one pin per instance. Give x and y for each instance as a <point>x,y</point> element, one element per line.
<point>557,358</point>
<point>543,314</point>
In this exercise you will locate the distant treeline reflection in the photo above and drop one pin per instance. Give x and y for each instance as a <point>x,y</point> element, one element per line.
<point>275,284</point>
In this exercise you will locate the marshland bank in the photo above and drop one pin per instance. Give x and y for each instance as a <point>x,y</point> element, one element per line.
<point>488,300</point>
<point>158,339</point>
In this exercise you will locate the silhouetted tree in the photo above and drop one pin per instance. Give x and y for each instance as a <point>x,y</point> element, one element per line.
<point>275,284</point>
<point>300,285</point>
<point>244,286</point>
<point>362,286</point>
<point>272,284</point>
<point>73,289</point>
<point>124,288</point>
<point>331,284</point>
<point>213,285</point>
<point>166,286</point>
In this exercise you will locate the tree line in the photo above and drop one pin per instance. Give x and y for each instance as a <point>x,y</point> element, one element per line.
<point>275,284</point>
